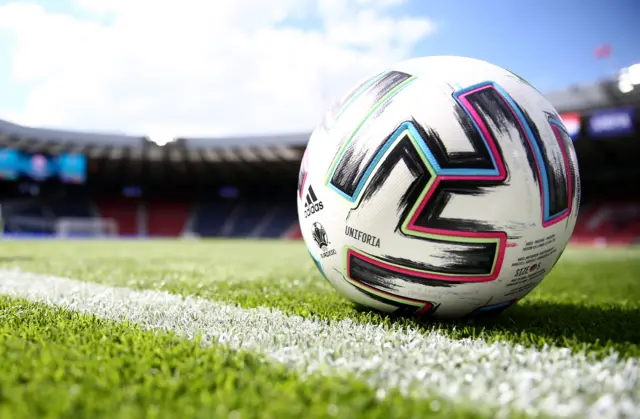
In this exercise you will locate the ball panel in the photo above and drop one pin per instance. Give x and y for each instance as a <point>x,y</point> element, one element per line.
<point>438,187</point>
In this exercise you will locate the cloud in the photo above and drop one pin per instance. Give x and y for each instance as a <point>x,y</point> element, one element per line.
<point>199,67</point>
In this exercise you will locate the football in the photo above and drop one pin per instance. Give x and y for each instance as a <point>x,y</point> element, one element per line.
<point>443,187</point>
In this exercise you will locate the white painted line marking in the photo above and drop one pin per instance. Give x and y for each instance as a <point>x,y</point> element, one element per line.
<point>553,381</point>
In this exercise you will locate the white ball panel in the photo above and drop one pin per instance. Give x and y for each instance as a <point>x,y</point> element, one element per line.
<point>514,207</point>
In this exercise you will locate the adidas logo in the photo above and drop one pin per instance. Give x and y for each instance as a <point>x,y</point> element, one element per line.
<point>312,205</point>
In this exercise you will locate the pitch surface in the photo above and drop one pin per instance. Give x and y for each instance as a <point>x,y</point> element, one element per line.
<point>250,329</point>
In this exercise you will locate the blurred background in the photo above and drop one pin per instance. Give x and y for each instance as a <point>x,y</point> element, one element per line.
<point>189,119</point>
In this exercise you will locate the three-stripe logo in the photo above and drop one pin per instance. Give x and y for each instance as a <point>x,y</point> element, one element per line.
<point>312,204</point>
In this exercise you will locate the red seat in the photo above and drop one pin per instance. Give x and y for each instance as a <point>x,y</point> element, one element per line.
<point>123,211</point>
<point>167,219</point>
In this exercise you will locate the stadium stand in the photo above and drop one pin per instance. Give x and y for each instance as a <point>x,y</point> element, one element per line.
<point>244,186</point>
<point>282,218</point>
<point>210,218</point>
<point>166,219</point>
<point>123,211</point>
<point>607,222</point>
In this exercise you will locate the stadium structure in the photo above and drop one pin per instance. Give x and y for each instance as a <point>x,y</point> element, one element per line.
<point>251,329</point>
<point>65,183</point>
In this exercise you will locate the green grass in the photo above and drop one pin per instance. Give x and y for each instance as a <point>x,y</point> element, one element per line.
<point>57,363</point>
<point>590,301</point>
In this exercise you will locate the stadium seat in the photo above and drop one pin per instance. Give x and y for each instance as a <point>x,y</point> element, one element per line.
<point>210,218</point>
<point>248,218</point>
<point>123,211</point>
<point>167,219</point>
<point>281,222</point>
<point>608,221</point>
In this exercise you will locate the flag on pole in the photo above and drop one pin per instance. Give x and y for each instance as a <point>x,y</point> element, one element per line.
<point>602,51</point>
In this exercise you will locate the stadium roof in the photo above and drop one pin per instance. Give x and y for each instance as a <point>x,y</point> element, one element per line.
<point>299,139</point>
<point>43,134</point>
<point>606,94</point>
<point>115,147</point>
<point>287,147</point>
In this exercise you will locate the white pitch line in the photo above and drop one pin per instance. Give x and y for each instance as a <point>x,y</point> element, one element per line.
<point>552,381</point>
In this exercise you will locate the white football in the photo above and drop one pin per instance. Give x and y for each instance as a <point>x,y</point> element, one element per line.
<point>444,186</point>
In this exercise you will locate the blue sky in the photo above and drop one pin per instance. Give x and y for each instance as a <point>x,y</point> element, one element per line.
<point>549,43</point>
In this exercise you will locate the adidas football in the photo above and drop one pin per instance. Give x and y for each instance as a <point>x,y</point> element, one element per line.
<point>444,186</point>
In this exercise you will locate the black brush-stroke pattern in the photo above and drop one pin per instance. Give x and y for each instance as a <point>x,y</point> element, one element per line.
<point>567,142</point>
<point>556,174</point>
<point>404,151</point>
<point>385,279</point>
<point>475,258</point>
<point>574,170</point>
<point>404,310</point>
<point>301,175</point>
<point>337,107</point>
<point>576,195</point>
<point>490,105</point>
<point>479,158</point>
<point>430,216</point>
<point>347,173</point>
<point>496,112</point>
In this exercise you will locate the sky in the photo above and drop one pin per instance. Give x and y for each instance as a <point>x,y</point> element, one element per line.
<point>167,68</point>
